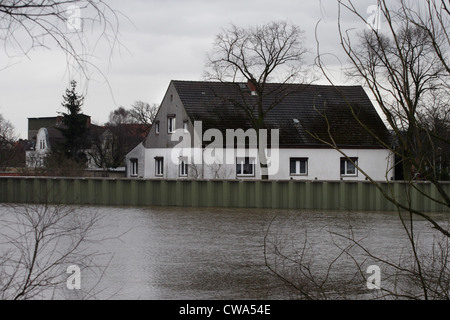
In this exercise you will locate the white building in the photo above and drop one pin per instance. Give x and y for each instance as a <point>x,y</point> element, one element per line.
<point>202,131</point>
<point>52,136</point>
<point>42,146</point>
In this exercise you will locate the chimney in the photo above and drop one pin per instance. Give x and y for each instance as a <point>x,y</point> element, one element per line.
<point>252,86</point>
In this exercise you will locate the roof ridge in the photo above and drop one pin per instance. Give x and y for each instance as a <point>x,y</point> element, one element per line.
<point>270,83</point>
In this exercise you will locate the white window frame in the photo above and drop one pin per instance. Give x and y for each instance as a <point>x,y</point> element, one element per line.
<point>159,166</point>
<point>134,167</point>
<point>157,127</point>
<point>183,168</point>
<point>347,165</point>
<point>298,166</point>
<point>241,162</point>
<point>171,125</point>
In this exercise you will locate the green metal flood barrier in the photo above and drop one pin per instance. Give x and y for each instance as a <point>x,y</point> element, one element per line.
<point>314,195</point>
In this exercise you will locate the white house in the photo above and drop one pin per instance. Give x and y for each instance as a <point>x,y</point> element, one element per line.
<point>42,146</point>
<point>202,131</point>
<point>51,136</point>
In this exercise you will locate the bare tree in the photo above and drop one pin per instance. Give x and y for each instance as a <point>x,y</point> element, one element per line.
<point>195,171</point>
<point>38,243</point>
<point>144,113</point>
<point>110,144</point>
<point>342,273</point>
<point>55,164</point>
<point>421,273</point>
<point>404,71</point>
<point>103,149</point>
<point>7,143</point>
<point>25,25</point>
<point>273,52</point>
<point>404,66</point>
<point>120,116</point>
<point>294,261</point>
<point>218,171</point>
<point>140,113</point>
<point>126,128</point>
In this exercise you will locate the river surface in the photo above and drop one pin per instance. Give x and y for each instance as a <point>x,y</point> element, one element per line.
<point>185,253</point>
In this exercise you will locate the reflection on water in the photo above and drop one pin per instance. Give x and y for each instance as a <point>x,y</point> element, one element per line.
<point>179,253</point>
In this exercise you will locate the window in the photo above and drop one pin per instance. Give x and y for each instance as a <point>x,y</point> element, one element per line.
<point>183,172</point>
<point>157,127</point>
<point>159,166</point>
<point>185,127</point>
<point>245,167</point>
<point>299,167</point>
<point>171,124</point>
<point>134,167</point>
<point>348,167</point>
<point>42,144</point>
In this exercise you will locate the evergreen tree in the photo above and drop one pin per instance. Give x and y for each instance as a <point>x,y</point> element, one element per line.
<point>75,124</point>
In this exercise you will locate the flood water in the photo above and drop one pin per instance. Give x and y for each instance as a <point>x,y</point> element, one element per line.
<point>185,253</point>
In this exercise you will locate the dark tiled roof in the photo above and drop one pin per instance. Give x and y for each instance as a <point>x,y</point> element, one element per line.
<point>316,107</point>
<point>37,123</point>
<point>136,130</point>
<point>56,136</point>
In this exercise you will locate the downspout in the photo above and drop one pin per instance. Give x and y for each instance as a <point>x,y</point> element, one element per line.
<point>203,163</point>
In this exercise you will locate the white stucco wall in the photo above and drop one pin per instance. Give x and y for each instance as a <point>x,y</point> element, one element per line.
<point>35,159</point>
<point>323,164</point>
<point>137,153</point>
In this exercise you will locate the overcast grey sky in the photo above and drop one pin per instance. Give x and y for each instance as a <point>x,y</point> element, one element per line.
<point>162,41</point>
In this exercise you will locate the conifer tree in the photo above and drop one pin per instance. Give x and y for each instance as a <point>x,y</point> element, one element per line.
<point>75,124</point>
